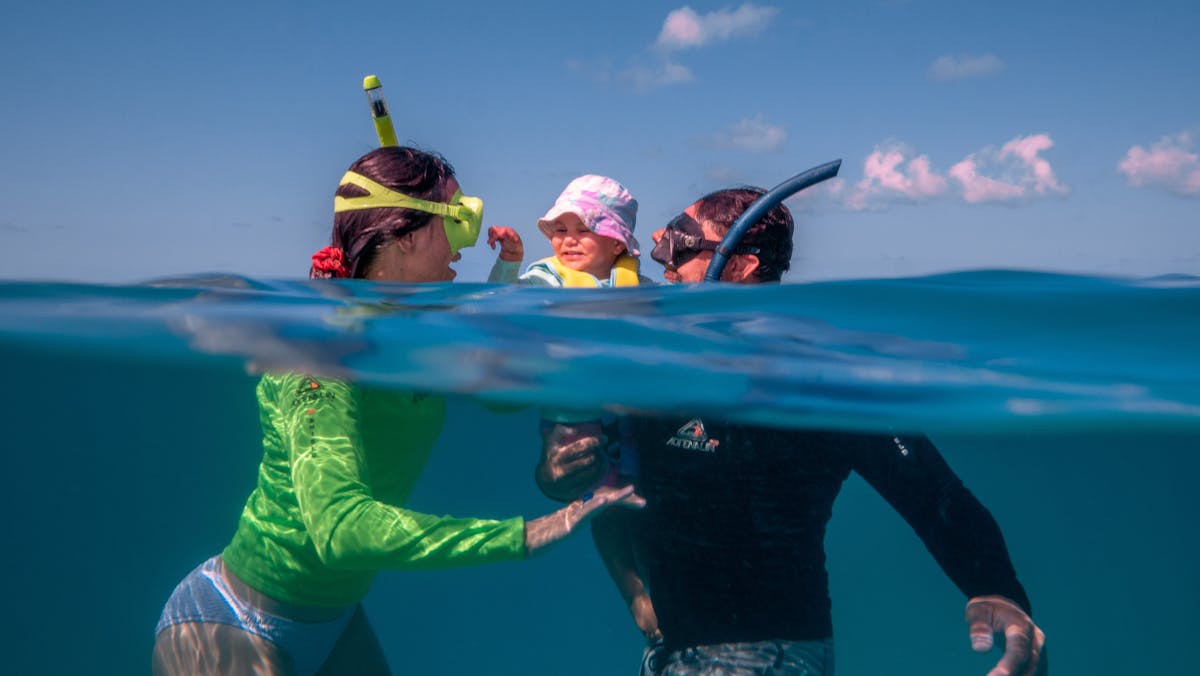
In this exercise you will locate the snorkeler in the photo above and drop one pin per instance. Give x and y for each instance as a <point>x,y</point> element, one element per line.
<point>724,569</point>
<point>339,463</point>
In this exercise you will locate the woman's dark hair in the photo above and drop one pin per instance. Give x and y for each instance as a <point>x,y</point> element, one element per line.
<point>772,234</point>
<point>360,233</point>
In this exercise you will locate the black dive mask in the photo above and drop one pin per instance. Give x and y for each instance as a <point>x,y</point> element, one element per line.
<point>683,239</point>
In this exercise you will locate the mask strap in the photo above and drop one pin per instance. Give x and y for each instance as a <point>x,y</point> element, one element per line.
<point>382,196</point>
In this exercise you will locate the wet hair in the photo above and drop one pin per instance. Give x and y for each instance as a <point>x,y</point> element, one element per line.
<point>772,234</point>
<point>361,233</point>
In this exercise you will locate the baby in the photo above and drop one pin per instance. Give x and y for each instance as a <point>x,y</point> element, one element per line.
<point>590,228</point>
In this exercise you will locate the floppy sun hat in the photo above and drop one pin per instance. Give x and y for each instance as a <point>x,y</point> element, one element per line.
<point>604,206</point>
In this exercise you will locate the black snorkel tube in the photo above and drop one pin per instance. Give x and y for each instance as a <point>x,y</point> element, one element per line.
<point>759,208</point>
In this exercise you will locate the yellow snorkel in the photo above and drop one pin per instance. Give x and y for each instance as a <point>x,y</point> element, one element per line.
<point>462,215</point>
<point>379,111</point>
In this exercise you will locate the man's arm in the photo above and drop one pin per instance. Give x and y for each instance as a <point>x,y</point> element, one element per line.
<point>961,534</point>
<point>958,530</point>
<point>612,535</point>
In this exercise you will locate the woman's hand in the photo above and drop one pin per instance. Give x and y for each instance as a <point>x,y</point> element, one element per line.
<point>512,249</point>
<point>544,531</point>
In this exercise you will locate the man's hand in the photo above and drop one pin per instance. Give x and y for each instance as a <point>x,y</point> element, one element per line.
<point>572,459</point>
<point>1024,643</point>
<point>643,614</point>
<point>512,249</point>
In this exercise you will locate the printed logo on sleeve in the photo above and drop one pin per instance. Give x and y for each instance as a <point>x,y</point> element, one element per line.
<point>310,393</point>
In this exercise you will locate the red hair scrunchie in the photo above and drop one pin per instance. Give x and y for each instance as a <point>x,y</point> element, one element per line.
<point>331,259</point>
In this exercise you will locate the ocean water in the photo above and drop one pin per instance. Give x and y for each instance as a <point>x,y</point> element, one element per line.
<point>1069,405</point>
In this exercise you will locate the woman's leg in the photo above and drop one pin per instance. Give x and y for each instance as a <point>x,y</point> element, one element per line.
<point>357,652</point>
<point>210,648</point>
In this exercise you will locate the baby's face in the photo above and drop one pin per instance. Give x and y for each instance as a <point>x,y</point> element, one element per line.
<point>581,249</point>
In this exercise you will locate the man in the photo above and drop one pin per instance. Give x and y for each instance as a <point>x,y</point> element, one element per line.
<point>724,568</point>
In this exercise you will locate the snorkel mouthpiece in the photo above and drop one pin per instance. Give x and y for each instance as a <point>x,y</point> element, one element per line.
<point>379,112</point>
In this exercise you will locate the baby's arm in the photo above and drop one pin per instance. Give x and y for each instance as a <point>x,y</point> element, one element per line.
<point>512,251</point>
<point>611,531</point>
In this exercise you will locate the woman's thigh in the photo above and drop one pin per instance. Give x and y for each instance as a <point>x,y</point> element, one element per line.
<point>210,648</point>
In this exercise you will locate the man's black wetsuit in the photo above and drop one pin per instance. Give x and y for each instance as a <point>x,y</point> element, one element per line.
<point>731,542</point>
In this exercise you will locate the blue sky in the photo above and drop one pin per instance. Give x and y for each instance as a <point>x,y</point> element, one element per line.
<point>150,139</point>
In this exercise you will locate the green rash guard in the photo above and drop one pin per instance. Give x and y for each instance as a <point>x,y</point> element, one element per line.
<point>338,464</point>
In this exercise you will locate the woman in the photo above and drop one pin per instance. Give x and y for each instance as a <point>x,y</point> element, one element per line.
<point>338,464</point>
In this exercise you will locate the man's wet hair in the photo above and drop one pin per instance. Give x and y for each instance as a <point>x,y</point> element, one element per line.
<point>772,234</point>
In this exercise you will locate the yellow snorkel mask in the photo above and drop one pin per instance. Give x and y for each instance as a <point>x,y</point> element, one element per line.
<point>462,215</point>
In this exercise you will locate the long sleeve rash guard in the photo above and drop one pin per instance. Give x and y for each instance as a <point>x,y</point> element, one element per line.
<point>731,541</point>
<point>327,512</point>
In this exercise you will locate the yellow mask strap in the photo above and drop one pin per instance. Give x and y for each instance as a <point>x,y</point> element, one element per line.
<point>382,196</point>
<point>462,217</point>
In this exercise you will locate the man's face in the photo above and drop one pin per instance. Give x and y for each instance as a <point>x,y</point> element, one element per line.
<point>688,265</point>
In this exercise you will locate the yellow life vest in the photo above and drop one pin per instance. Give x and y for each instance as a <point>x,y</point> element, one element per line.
<point>625,272</point>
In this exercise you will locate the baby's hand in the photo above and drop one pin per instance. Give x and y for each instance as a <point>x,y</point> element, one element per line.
<point>511,247</point>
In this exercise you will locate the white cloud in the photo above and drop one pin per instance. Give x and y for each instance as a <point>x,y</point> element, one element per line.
<point>685,29</point>
<point>894,173</point>
<point>963,66</point>
<point>1168,164</point>
<point>1028,150</point>
<point>682,29</point>
<point>977,188</point>
<point>1023,172</point>
<point>753,135</point>
<point>644,78</point>
<point>885,179</point>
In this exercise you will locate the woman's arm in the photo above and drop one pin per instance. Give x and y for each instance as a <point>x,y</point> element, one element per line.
<point>348,526</point>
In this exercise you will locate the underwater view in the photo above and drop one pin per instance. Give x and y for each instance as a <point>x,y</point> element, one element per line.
<point>1069,405</point>
<point>293,382</point>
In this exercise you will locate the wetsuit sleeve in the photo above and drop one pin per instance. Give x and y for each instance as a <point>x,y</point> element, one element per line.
<point>956,528</point>
<point>504,272</point>
<point>350,529</point>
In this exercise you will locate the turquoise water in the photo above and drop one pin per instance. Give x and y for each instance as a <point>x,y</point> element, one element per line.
<point>1069,405</point>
